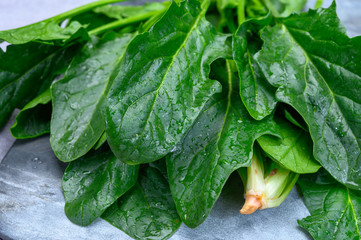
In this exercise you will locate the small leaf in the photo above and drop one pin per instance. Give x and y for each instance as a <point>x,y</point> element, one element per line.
<point>257,94</point>
<point>92,183</point>
<point>79,98</point>
<point>147,211</point>
<point>293,150</point>
<point>34,119</point>
<point>335,209</point>
<point>163,84</point>
<point>48,30</point>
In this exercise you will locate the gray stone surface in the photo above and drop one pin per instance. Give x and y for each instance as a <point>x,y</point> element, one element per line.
<point>31,200</point>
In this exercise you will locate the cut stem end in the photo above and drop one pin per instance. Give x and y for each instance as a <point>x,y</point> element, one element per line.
<point>251,204</point>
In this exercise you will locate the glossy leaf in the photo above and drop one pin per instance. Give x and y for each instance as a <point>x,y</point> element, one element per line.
<point>79,98</point>
<point>94,182</point>
<point>101,141</point>
<point>45,31</point>
<point>34,119</point>
<point>164,84</point>
<point>26,71</point>
<point>335,209</point>
<point>322,85</point>
<point>147,211</point>
<point>220,142</point>
<point>50,29</point>
<point>293,150</point>
<point>257,94</point>
<point>121,12</point>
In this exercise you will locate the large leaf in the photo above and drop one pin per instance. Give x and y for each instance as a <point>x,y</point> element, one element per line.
<point>256,93</point>
<point>220,142</point>
<point>163,84</point>
<point>26,71</point>
<point>34,119</point>
<point>147,211</point>
<point>94,182</point>
<point>293,151</point>
<point>79,98</point>
<point>335,209</point>
<point>324,86</point>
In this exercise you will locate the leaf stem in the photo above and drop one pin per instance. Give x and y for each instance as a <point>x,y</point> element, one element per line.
<point>240,12</point>
<point>123,22</point>
<point>82,9</point>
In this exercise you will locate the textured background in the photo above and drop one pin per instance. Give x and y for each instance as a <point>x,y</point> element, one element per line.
<point>31,200</point>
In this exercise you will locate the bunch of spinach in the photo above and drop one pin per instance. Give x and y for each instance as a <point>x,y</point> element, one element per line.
<point>155,106</point>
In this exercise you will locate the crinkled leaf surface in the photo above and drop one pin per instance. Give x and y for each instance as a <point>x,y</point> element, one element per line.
<point>147,211</point>
<point>257,94</point>
<point>94,182</point>
<point>79,98</point>
<point>26,71</point>
<point>335,209</point>
<point>324,86</point>
<point>293,150</point>
<point>163,84</point>
<point>121,12</point>
<point>34,119</point>
<point>220,142</point>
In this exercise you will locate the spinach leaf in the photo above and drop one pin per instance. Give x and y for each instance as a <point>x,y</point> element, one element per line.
<point>279,8</point>
<point>220,142</point>
<point>283,8</point>
<point>101,141</point>
<point>163,84</point>
<point>322,85</point>
<point>34,119</point>
<point>147,211</point>
<point>293,151</point>
<point>94,182</point>
<point>335,209</point>
<point>257,94</point>
<point>50,29</point>
<point>79,98</point>
<point>121,12</point>
<point>28,70</point>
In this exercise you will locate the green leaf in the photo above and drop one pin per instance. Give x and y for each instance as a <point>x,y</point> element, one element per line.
<point>147,211</point>
<point>335,209</point>
<point>256,93</point>
<point>101,141</point>
<point>283,8</point>
<point>317,71</point>
<point>34,119</point>
<point>44,31</point>
<point>293,151</point>
<point>28,70</point>
<point>94,182</point>
<point>220,142</point>
<point>163,84</point>
<point>121,12</point>
<point>50,29</point>
<point>79,98</point>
